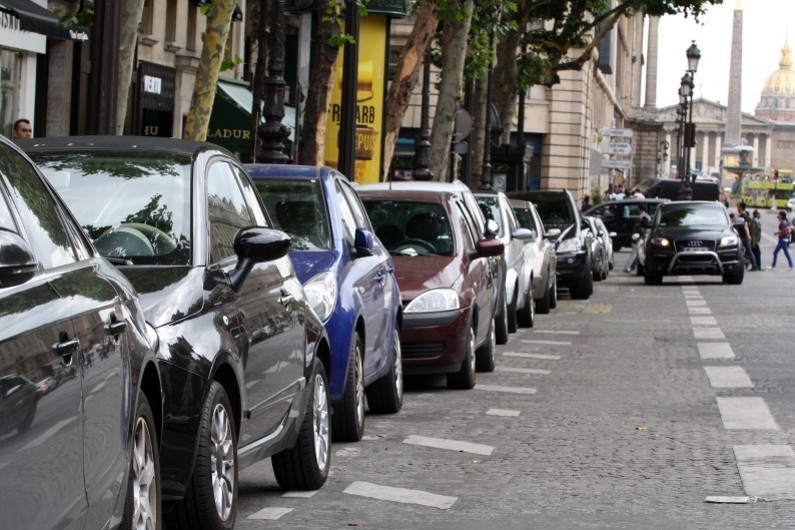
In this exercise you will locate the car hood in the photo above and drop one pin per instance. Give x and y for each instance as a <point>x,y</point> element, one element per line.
<point>167,293</point>
<point>308,264</point>
<point>416,274</point>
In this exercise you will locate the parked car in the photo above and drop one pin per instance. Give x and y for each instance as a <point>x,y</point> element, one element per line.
<point>349,279</point>
<point>539,253</point>
<point>692,237</point>
<point>447,285</point>
<point>607,240</point>
<point>517,277</point>
<point>600,262</point>
<point>620,217</point>
<point>573,246</point>
<point>86,455</point>
<point>46,385</point>
<point>242,355</point>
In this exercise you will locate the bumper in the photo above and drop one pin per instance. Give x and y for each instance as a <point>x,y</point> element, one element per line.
<point>434,343</point>
<point>700,262</point>
<point>571,268</point>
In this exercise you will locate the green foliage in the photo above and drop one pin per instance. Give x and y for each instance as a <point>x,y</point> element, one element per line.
<point>491,18</point>
<point>84,18</point>
<point>596,196</point>
<point>335,14</point>
<point>228,63</point>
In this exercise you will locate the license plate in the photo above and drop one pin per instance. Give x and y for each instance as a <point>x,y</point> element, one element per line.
<point>693,249</point>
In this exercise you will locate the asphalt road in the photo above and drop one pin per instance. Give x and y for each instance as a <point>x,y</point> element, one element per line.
<point>633,409</point>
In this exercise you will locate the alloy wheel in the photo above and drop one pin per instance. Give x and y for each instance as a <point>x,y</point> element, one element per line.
<point>320,421</point>
<point>222,462</point>
<point>144,478</point>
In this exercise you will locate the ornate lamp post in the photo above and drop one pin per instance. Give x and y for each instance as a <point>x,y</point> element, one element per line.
<point>693,56</point>
<point>273,133</point>
<point>485,176</point>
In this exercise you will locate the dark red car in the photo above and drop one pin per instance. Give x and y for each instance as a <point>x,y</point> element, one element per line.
<point>447,287</point>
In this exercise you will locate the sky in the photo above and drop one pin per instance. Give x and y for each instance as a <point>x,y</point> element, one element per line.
<point>766,24</point>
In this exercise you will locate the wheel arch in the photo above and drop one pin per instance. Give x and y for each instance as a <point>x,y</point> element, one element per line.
<point>151,387</point>
<point>225,375</point>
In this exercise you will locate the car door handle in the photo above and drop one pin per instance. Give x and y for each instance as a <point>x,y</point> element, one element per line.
<point>286,298</point>
<point>115,326</point>
<point>66,347</point>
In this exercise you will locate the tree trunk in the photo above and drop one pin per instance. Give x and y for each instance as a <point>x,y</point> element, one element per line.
<point>453,45</point>
<point>131,11</point>
<point>321,80</point>
<point>477,137</point>
<point>214,41</point>
<point>506,81</point>
<point>260,71</point>
<point>411,58</point>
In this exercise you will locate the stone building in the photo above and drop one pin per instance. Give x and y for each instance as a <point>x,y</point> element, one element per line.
<point>777,105</point>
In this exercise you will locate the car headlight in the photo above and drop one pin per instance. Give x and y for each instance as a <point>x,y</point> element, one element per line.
<point>321,293</point>
<point>661,242</point>
<point>568,245</point>
<point>435,300</point>
<point>729,241</point>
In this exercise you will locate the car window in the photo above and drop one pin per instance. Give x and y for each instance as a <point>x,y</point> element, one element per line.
<point>251,197</point>
<point>297,206</point>
<point>132,205</point>
<point>491,211</point>
<point>510,217</point>
<point>466,228</point>
<point>38,210</point>
<point>525,218</point>
<point>6,219</point>
<point>411,227</point>
<point>362,221</point>
<point>227,211</point>
<point>346,214</point>
<point>697,216</point>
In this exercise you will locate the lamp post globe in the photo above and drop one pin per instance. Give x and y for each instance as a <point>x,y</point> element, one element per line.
<point>693,56</point>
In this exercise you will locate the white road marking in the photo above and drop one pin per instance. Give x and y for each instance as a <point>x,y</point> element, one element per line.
<point>539,356</point>
<point>703,321</point>
<point>728,377</point>
<point>558,332</point>
<point>49,433</point>
<point>729,499</point>
<point>695,303</point>
<point>347,451</point>
<point>699,310</point>
<point>450,445</point>
<point>406,496</point>
<point>708,333</point>
<point>299,494</point>
<point>269,514</point>
<point>508,389</point>
<point>767,470</point>
<point>746,413</point>
<point>503,412</point>
<point>522,370</point>
<point>547,342</point>
<point>715,350</point>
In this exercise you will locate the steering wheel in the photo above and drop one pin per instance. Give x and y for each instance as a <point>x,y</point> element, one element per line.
<point>135,239</point>
<point>416,243</point>
<point>161,241</point>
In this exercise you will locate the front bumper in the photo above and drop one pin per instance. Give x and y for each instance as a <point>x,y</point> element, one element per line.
<point>434,343</point>
<point>718,262</point>
<point>571,268</point>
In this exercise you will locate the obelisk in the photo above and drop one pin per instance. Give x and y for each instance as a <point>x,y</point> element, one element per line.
<point>733,110</point>
<point>651,66</point>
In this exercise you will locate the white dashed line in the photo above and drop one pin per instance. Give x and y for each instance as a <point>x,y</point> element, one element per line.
<point>767,470</point>
<point>699,310</point>
<point>522,370</point>
<point>503,412</point>
<point>558,332</point>
<point>405,496</point>
<point>547,342</point>
<point>728,377</point>
<point>450,445</point>
<point>508,389</point>
<point>703,321</point>
<point>715,350</point>
<point>538,356</point>
<point>746,413</point>
<point>708,333</point>
<point>695,303</point>
<point>299,494</point>
<point>269,514</point>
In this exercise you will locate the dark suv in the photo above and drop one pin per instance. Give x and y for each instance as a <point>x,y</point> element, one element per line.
<point>620,217</point>
<point>692,237</point>
<point>558,210</point>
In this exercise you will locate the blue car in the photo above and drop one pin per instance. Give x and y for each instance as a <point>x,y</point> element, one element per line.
<point>349,279</point>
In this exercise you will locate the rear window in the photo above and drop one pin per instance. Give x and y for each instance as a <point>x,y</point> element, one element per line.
<point>555,210</point>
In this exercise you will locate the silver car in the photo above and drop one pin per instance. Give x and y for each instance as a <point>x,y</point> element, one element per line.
<point>539,254</point>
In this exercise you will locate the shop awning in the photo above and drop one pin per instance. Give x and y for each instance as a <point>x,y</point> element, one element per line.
<point>36,19</point>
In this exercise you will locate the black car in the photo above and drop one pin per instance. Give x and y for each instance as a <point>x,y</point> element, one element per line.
<point>573,247</point>
<point>700,189</point>
<point>620,217</point>
<point>85,453</point>
<point>692,237</point>
<point>243,357</point>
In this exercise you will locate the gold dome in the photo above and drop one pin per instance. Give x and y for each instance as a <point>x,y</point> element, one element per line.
<point>782,81</point>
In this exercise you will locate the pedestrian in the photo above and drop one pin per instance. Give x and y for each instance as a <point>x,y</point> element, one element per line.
<point>756,237</point>
<point>586,203</point>
<point>22,129</point>
<point>783,237</point>
<point>744,231</point>
<point>639,228</point>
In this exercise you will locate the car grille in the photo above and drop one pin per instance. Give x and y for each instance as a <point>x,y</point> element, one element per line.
<point>705,244</point>
<point>421,349</point>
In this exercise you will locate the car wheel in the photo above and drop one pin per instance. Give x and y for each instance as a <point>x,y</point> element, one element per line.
<point>27,421</point>
<point>386,394</point>
<point>512,323</point>
<point>464,378</point>
<point>142,507</point>
<point>543,304</point>
<point>484,356</point>
<point>306,464</point>
<point>211,498</point>
<point>652,278</point>
<point>553,294</point>
<point>583,289</point>
<point>734,277</point>
<point>501,322</point>
<point>527,316</point>
<point>347,421</point>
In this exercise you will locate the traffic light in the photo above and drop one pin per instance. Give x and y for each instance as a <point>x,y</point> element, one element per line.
<point>775,174</point>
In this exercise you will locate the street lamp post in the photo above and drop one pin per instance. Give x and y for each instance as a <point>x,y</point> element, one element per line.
<point>693,57</point>
<point>422,152</point>
<point>687,127</point>
<point>273,133</point>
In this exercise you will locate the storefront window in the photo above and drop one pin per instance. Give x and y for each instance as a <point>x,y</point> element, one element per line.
<point>10,62</point>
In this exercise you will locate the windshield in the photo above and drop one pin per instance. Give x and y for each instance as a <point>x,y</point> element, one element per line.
<point>554,210</point>
<point>701,216</point>
<point>411,228</point>
<point>297,207</point>
<point>133,205</point>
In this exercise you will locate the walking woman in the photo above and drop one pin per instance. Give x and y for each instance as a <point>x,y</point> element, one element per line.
<point>783,239</point>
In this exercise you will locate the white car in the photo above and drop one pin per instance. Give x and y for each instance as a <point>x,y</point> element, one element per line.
<point>539,254</point>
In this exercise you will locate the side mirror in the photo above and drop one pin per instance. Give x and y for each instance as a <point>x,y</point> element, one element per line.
<point>490,247</point>
<point>17,264</point>
<point>256,244</point>
<point>552,233</point>
<point>363,241</point>
<point>524,234</point>
<point>491,228</point>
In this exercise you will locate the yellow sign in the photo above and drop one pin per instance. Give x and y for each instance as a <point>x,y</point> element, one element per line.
<point>371,77</point>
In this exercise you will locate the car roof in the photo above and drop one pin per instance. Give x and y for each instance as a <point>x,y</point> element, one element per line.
<point>119,143</point>
<point>285,171</point>
<point>404,195</point>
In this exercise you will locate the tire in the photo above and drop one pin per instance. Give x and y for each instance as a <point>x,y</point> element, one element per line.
<point>142,509</point>
<point>484,356</point>
<point>464,378</point>
<point>584,288</point>
<point>734,277</point>
<point>501,322</point>
<point>527,316</point>
<point>211,498</point>
<point>553,294</point>
<point>543,304</point>
<point>512,317</point>
<point>650,278</point>
<point>385,396</point>
<point>347,421</point>
<point>306,464</point>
